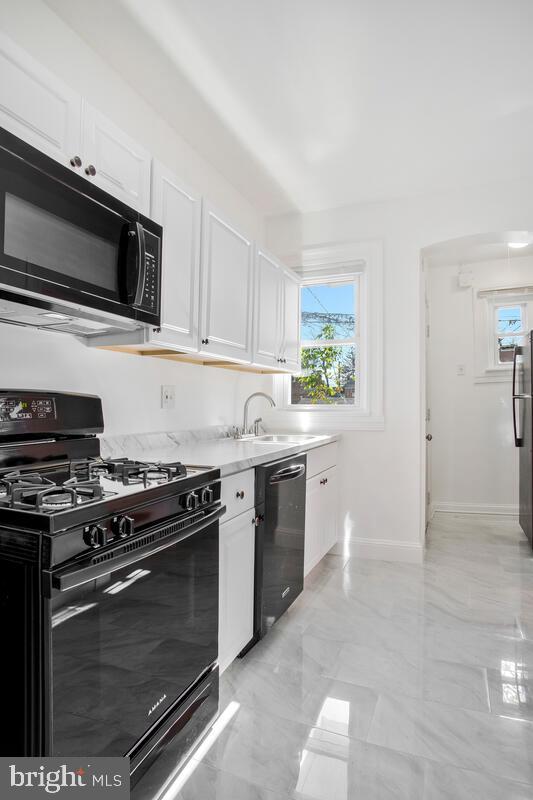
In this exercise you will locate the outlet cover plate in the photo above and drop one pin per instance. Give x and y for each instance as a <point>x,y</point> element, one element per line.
<point>168,396</point>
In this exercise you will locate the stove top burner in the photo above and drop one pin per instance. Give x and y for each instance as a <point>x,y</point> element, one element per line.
<point>85,482</point>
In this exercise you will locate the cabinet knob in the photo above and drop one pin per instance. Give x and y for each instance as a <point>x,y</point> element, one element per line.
<point>258,520</point>
<point>323,481</point>
<point>205,341</point>
<point>75,161</point>
<point>90,170</point>
<point>240,495</point>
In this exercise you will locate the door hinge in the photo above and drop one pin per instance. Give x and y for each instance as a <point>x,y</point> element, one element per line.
<point>428,415</point>
<point>427,331</point>
<point>428,498</point>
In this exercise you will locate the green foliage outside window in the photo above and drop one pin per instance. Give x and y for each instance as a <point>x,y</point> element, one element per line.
<point>327,371</point>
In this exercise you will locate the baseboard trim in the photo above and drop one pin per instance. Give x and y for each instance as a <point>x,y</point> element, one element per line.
<point>386,550</point>
<point>476,508</point>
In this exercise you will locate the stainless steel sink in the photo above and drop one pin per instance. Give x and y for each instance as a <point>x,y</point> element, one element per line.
<point>284,438</point>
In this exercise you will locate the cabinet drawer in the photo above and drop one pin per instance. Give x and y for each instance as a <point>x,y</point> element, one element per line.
<point>238,493</point>
<point>321,458</point>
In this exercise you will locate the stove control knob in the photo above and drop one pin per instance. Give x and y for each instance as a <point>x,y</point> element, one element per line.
<point>207,495</point>
<point>123,527</point>
<point>192,501</point>
<point>95,536</point>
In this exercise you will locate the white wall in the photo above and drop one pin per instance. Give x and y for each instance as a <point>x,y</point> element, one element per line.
<point>474,464</point>
<point>129,385</point>
<point>382,480</point>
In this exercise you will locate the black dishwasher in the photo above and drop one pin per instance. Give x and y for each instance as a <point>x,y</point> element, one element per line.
<point>280,534</point>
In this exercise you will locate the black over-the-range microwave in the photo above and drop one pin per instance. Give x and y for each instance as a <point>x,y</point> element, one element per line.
<point>72,257</point>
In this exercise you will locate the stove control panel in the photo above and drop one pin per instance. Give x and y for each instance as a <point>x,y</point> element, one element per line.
<point>14,409</point>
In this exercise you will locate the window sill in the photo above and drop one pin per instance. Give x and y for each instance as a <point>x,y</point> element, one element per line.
<point>330,419</point>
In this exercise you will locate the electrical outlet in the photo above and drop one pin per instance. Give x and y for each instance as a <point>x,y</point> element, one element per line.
<point>168,396</point>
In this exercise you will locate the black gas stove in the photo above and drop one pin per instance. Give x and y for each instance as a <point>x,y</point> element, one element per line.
<point>109,581</point>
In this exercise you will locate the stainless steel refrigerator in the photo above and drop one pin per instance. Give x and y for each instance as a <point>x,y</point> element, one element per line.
<point>523,430</point>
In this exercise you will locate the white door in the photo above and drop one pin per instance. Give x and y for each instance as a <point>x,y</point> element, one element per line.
<point>429,435</point>
<point>119,163</point>
<point>236,587</point>
<point>226,293</point>
<point>179,211</point>
<point>268,310</point>
<point>291,323</point>
<point>38,107</point>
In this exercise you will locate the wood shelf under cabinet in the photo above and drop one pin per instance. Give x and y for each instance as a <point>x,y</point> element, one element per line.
<point>189,358</point>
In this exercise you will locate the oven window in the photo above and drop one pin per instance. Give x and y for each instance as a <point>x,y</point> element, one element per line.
<point>126,646</point>
<point>37,236</point>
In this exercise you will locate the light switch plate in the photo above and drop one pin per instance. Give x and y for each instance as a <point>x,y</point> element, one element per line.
<point>168,396</point>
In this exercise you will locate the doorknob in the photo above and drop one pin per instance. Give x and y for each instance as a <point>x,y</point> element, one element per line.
<point>429,437</point>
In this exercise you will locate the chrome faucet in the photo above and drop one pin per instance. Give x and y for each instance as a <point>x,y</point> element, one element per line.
<point>247,403</point>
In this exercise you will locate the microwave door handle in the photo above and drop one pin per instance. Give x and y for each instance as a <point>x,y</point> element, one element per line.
<point>141,264</point>
<point>134,258</point>
<point>85,572</point>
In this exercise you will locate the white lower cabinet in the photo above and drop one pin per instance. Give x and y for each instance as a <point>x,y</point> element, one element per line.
<point>320,517</point>
<point>236,587</point>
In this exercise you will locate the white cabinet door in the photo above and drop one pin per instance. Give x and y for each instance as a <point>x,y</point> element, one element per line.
<point>314,512</point>
<point>226,293</point>
<point>268,310</point>
<point>36,106</point>
<point>236,587</point>
<point>330,519</point>
<point>121,166</point>
<point>291,323</point>
<point>178,210</point>
<point>320,517</point>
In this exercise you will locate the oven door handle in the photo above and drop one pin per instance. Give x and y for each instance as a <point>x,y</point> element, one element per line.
<point>85,571</point>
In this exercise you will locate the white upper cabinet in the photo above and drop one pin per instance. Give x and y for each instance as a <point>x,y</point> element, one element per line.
<point>268,310</point>
<point>114,161</point>
<point>291,323</point>
<point>38,107</point>
<point>178,209</point>
<point>227,268</point>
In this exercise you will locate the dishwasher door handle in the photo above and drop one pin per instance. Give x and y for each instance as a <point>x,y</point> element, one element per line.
<point>288,474</point>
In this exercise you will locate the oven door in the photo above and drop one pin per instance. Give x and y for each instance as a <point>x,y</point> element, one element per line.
<point>64,239</point>
<point>129,642</point>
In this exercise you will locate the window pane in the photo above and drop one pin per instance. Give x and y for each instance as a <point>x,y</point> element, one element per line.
<point>509,319</point>
<point>328,311</point>
<point>329,376</point>
<point>506,346</point>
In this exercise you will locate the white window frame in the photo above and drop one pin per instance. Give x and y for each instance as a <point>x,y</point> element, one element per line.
<point>362,261</point>
<point>498,335</point>
<point>486,302</point>
<point>357,280</point>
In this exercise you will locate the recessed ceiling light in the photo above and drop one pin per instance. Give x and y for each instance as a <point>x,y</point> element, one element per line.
<point>517,245</point>
<point>54,315</point>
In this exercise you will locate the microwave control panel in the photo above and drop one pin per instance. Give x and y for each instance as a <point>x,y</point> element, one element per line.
<point>152,263</point>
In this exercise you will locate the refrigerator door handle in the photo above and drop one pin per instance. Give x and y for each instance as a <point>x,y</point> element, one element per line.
<point>518,440</point>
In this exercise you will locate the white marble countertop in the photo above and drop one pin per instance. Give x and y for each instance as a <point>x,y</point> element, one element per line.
<point>229,455</point>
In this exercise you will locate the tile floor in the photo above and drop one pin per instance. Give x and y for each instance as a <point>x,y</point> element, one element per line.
<point>386,681</point>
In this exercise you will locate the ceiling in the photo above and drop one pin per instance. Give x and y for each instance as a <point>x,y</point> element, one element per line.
<point>312,104</point>
<point>478,248</point>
